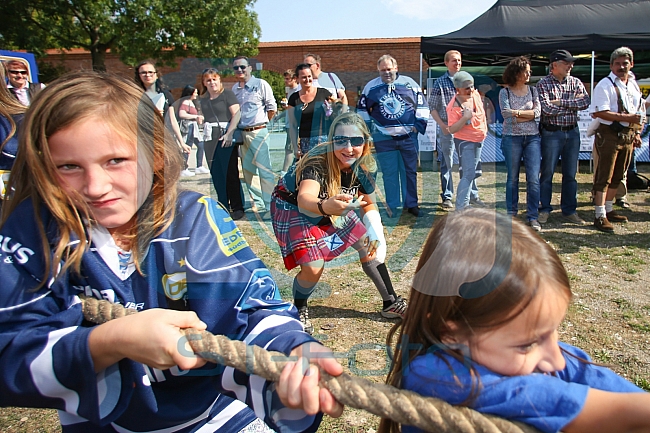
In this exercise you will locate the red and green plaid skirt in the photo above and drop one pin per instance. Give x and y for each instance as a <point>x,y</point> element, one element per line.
<point>302,241</point>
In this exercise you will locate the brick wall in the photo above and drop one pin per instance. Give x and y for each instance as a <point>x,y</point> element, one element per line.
<point>353,60</point>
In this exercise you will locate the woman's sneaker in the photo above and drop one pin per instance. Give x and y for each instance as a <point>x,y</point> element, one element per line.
<point>186,173</point>
<point>303,315</point>
<point>201,170</point>
<point>396,309</point>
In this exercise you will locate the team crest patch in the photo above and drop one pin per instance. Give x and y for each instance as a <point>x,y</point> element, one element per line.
<point>230,239</point>
<point>175,285</point>
<point>392,106</point>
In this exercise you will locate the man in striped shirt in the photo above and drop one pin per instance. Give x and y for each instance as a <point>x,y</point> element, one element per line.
<point>561,97</point>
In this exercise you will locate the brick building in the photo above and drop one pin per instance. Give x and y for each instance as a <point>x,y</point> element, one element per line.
<point>353,60</point>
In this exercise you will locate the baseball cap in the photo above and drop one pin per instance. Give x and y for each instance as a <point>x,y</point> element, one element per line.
<point>462,80</point>
<point>558,55</point>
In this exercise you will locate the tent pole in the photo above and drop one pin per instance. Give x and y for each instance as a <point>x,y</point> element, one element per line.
<point>421,71</point>
<point>593,67</point>
<point>591,94</point>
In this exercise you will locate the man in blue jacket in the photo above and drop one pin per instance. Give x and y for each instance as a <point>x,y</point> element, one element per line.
<point>395,105</point>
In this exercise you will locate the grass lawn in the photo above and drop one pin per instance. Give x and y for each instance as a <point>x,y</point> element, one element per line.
<point>609,316</point>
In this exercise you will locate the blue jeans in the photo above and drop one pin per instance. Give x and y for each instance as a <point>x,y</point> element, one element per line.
<point>446,158</point>
<point>470,155</point>
<point>398,162</point>
<point>513,148</point>
<point>554,145</point>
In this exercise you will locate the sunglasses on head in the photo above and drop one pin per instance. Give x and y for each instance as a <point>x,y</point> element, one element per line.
<point>342,141</point>
<point>210,71</point>
<point>14,72</point>
<point>239,67</point>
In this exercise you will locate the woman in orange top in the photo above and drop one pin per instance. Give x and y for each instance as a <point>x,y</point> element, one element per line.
<point>466,118</point>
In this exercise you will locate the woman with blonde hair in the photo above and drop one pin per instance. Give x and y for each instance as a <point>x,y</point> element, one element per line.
<point>11,114</point>
<point>314,216</point>
<point>97,192</point>
<point>220,109</point>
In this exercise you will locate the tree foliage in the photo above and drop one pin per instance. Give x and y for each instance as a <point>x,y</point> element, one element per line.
<point>135,29</point>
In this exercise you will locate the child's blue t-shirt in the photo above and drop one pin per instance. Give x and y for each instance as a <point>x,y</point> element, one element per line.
<point>547,402</point>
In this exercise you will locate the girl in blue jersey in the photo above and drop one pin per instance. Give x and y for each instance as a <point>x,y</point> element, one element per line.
<point>482,331</point>
<point>95,211</point>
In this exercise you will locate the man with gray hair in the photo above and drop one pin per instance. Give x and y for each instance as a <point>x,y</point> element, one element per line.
<point>327,80</point>
<point>394,108</point>
<point>257,106</point>
<point>561,96</point>
<point>619,105</point>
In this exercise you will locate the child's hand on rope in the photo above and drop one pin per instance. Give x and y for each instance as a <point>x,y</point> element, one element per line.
<point>298,385</point>
<point>152,337</point>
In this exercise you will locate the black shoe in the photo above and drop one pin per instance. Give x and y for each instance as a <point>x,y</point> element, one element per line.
<point>237,214</point>
<point>415,211</point>
<point>602,224</point>
<point>622,203</point>
<point>477,202</point>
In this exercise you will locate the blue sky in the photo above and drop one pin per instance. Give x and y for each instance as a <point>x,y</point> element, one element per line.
<point>350,19</point>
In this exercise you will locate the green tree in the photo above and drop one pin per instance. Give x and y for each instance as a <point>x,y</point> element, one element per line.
<point>135,29</point>
<point>275,80</point>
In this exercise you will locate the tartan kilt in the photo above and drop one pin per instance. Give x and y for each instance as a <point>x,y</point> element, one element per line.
<point>301,241</point>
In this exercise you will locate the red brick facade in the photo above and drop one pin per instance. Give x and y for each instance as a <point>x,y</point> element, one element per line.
<point>353,60</point>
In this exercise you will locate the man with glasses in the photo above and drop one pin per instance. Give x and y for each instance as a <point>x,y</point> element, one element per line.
<point>258,106</point>
<point>395,105</point>
<point>326,80</point>
<point>19,82</point>
<point>561,96</point>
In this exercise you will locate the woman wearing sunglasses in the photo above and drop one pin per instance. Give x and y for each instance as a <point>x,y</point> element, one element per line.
<point>11,115</point>
<point>309,112</point>
<point>314,216</point>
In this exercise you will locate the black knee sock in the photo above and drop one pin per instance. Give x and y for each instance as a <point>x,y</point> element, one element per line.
<point>301,294</point>
<point>383,271</point>
<point>372,271</point>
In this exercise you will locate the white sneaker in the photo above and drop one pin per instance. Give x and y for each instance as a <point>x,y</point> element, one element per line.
<point>201,170</point>
<point>187,173</point>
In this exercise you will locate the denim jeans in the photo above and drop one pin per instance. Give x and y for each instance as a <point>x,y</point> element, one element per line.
<point>567,145</point>
<point>446,158</point>
<point>398,162</point>
<point>513,148</point>
<point>469,159</point>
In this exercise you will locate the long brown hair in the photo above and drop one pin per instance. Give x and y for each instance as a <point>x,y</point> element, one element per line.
<point>121,104</point>
<point>9,106</point>
<point>323,154</point>
<point>464,240</point>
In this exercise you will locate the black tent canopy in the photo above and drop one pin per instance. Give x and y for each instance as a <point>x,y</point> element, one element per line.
<point>538,27</point>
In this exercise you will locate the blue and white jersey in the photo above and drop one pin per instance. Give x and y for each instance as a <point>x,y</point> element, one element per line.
<point>201,263</point>
<point>394,108</point>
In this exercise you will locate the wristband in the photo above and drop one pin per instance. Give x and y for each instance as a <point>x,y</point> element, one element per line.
<point>375,229</point>
<point>320,207</point>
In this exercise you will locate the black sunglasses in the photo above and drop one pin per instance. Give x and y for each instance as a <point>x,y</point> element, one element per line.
<point>241,67</point>
<point>210,70</point>
<point>342,141</point>
<point>14,72</point>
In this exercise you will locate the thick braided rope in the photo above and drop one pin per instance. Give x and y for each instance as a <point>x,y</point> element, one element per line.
<point>405,407</point>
